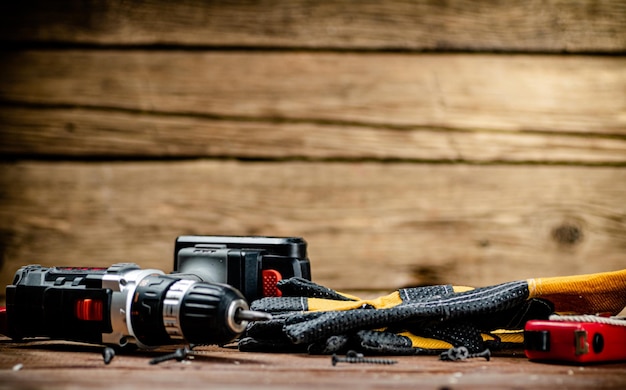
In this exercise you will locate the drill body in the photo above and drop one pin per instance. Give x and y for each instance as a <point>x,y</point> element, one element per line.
<point>123,305</point>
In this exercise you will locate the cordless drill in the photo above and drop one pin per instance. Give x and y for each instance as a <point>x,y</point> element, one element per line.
<point>123,305</point>
<point>203,302</point>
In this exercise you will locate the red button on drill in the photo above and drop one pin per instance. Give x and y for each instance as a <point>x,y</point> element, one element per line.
<point>270,278</point>
<point>88,309</point>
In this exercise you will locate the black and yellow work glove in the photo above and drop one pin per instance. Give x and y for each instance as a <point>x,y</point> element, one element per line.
<point>422,320</point>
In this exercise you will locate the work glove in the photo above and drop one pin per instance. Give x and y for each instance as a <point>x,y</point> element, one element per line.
<point>424,320</point>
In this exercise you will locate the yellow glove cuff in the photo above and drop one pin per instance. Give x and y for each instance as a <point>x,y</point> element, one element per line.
<point>583,294</point>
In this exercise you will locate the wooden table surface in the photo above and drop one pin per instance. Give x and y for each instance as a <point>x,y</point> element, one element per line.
<point>62,365</point>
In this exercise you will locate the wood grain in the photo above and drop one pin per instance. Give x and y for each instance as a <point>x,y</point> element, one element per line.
<point>513,93</point>
<point>529,26</point>
<point>369,225</point>
<point>342,122</point>
<point>61,365</point>
<point>92,134</point>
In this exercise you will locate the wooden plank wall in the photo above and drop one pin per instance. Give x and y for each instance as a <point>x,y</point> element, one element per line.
<point>408,142</point>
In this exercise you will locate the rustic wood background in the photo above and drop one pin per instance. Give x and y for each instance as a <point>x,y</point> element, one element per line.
<point>408,142</point>
<point>54,365</point>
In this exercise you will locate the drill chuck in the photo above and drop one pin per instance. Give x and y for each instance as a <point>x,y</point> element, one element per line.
<point>124,304</point>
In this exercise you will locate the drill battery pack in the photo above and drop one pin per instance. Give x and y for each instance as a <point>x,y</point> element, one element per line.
<point>577,342</point>
<point>251,264</point>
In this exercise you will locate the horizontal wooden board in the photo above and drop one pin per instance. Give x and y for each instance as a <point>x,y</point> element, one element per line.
<point>514,93</point>
<point>97,134</point>
<point>58,365</point>
<point>543,26</point>
<point>369,225</point>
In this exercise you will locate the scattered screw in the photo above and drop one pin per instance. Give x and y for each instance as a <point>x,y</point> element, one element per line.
<point>462,353</point>
<point>108,354</point>
<point>484,354</point>
<point>355,357</point>
<point>179,355</point>
<point>454,354</point>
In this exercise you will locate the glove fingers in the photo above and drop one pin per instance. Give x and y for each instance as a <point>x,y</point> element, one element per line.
<point>386,343</point>
<point>341,322</point>
<point>299,287</point>
<point>271,329</point>
<point>303,295</point>
<point>400,297</point>
<point>515,317</point>
<point>249,344</point>
<point>481,301</point>
<point>268,336</point>
<point>457,334</point>
<point>417,294</point>
<point>334,344</point>
<point>299,295</point>
<point>280,305</point>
